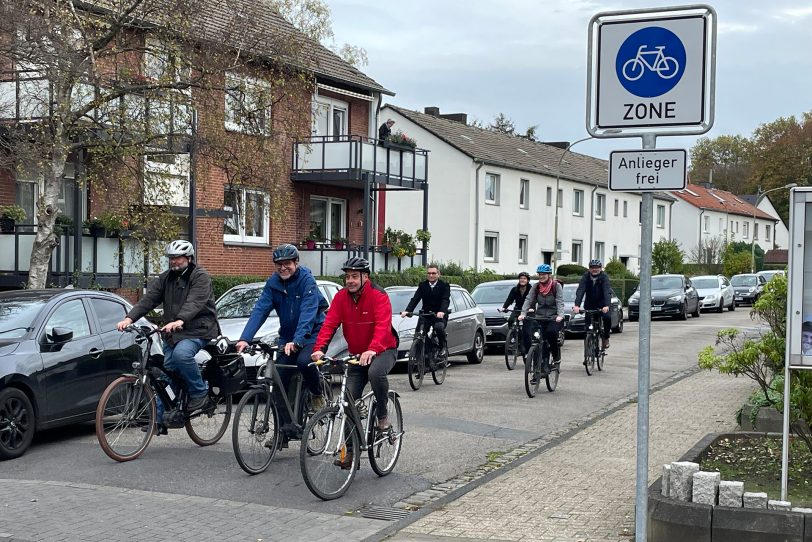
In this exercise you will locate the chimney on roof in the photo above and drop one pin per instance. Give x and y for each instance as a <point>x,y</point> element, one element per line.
<point>708,185</point>
<point>559,144</point>
<point>431,110</point>
<point>435,112</point>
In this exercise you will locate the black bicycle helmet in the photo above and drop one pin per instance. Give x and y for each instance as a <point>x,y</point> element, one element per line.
<point>595,263</point>
<point>524,274</point>
<point>356,263</point>
<point>285,252</point>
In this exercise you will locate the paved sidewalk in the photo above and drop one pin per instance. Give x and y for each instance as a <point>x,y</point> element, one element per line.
<point>584,488</point>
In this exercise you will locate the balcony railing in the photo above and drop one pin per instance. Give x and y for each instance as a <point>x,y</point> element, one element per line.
<point>352,158</point>
<point>325,260</point>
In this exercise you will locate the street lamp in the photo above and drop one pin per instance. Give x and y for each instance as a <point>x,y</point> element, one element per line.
<point>759,196</point>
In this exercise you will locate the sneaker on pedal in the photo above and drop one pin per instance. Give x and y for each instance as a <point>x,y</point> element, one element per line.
<point>317,403</point>
<point>157,429</point>
<point>346,463</point>
<point>197,403</point>
<point>605,344</point>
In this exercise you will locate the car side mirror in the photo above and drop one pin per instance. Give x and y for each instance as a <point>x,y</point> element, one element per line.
<point>58,337</point>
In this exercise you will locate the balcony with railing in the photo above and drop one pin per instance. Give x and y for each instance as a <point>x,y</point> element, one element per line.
<point>350,158</point>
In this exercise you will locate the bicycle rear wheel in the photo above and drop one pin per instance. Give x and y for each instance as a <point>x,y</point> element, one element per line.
<point>417,364</point>
<point>589,354</point>
<point>329,455</point>
<point>439,369</point>
<point>384,450</point>
<point>512,348</point>
<point>531,371</point>
<point>125,418</point>
<point>255,434</point>
<point>208,426</point>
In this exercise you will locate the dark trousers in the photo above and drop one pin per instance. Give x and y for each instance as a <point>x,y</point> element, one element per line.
<point>549,330</point>
<point>439,327</point>
<point>312,380</point>
<point>374,373</point>
<point>607,323</point>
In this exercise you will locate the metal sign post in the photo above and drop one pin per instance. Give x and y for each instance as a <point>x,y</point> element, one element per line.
<point>651,73</point>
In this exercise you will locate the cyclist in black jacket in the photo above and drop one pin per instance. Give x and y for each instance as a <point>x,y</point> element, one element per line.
<point>594,289</point>
<point>436,297</point>
<point>517,296</point>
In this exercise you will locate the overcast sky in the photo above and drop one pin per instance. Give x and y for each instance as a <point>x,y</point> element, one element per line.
<point>527,58</point>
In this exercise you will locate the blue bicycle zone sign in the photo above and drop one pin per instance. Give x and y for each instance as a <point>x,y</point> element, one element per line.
<point>650,62</point>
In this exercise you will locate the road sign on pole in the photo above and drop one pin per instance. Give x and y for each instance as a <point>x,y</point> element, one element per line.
<point>651,72</point>
<point>635,171</point>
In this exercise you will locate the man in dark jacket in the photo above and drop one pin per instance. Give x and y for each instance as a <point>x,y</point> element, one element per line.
<point>436,296</point>
<point>191,319</point>
<point>594,289</point>
<point>293,293</point>
<point>385,130</point>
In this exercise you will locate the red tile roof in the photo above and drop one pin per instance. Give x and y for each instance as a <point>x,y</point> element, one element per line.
<point>777,255</point>
<point>720,200</point>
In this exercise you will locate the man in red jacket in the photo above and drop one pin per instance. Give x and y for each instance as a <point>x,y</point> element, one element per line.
<point>365,314</point>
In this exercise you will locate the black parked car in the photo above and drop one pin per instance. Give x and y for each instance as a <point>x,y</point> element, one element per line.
<point>671,295</point>
<point>59,349</point>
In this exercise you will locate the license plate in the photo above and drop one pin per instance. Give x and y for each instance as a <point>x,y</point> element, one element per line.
<point>489,332</point>
<point>656,309</point>
<point>738,297</point>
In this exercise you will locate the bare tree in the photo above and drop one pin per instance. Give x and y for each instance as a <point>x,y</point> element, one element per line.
<point>708,251</point>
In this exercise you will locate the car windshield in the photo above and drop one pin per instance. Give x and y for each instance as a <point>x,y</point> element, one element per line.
<point>666,283</point>
<point>768,275</point>
<point>569,293</point>
<point>744,280</point>
<point>706,283</point>
<point>17,315</point>
<point>238,303</point>
<point>401,298</point>
<point>494,293</point>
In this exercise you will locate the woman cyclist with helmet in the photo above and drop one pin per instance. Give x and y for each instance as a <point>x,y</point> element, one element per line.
<point>517,296</point>
<point>293,293</point>
<point>547,300</point>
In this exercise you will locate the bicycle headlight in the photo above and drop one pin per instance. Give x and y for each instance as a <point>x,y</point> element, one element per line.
<point>537,334</point>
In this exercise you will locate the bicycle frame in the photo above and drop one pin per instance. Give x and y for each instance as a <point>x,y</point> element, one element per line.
<point>659,57</point>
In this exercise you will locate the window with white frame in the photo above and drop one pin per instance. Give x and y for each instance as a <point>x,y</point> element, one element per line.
<point>561,198</point>
<point>522,249</point>
<point>166,179</point>
<point>492,189</point>
<point>247,215</point>
<point>549,196</point>
<point>29,185</point>
<point>524,193</point>
<point>614,252</point>
<point>746,230</point>
<point>661,216</point>
<point>328,218</point>
<point>617,206</point>
<point>247,105</point>
<point>706,224</point>
<point>767,232</point>
<point>625,209</point>
<point>755,231</point>
<point>600,250</point>
<point>721,225</point>
<point>577,251</point>
<point>491,246</point>
<point>600,206</point>
<point>329,117</point>
<point>578,202</point>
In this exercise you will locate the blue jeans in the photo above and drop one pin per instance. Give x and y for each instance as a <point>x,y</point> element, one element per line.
<point>179,361</point>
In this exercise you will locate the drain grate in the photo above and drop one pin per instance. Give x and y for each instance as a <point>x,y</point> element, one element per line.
<point>385,513</point>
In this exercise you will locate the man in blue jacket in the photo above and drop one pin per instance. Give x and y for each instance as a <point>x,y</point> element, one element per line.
<point>293,293</point>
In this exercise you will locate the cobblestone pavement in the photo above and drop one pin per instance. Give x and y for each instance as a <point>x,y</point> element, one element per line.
<point>584,488</point>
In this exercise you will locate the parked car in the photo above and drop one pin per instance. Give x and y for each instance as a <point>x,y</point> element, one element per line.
<point>490,296</point>
<point>772,273</point>
<point>59,349</point>
<point>715,292</point>
<point>671,295</point>
<point>748,287</point>
<point>577,323</point>
<point>234,308</point>
<point>466,323</point>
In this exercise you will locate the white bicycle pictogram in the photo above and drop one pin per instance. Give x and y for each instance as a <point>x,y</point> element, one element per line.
<point>664,66</point>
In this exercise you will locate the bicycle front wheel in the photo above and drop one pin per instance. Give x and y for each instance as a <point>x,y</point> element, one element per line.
<point>384,448</point>
<point>416,364</point>
<point>551,380</point>
<point>589,354</point>
<point>209,425</point>
<point>125,418</point>
<point>512,348</point>
<point>255,433</point>
<point>439,369</point>
<point>531,372</point>
<point>599,358</point>
<point>328,455</point>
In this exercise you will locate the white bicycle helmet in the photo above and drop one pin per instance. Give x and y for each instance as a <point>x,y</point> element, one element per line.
<point>180,247</point>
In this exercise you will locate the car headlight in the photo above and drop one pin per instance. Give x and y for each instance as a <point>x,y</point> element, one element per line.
<point>634,300</point>
<point>751,289</point>
<point>676,298</point>
<point>711,297</point>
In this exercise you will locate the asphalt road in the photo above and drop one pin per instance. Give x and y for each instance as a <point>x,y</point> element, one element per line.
<point>450,428</point>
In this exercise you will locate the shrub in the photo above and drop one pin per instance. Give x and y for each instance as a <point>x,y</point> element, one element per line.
<point>13,212</point>
<point>570,269</point>
<point>666,257</point>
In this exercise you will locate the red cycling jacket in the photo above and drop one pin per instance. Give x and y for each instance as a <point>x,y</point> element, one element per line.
<point>367,322</point>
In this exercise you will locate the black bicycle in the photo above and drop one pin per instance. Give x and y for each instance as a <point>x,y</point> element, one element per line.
<point>538,364</point>
<point>126,417</point>
<point>594,353</point>
<point>513,346</point>
<point>425,353</point>
<point>256,434</point>
<point>333,437</point>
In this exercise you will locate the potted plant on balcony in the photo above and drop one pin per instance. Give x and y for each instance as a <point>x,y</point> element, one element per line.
<point>399,243</point>
<point>424,236</point>
<point>114,224</point>
<point>63,225</point>
<point>95,226</point>
<point>400,141</point>
<point>310,240</point>
<point>339,242</point>
<point>10,214</point>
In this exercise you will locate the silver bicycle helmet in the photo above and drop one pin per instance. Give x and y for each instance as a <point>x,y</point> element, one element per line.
<point>180,247</point>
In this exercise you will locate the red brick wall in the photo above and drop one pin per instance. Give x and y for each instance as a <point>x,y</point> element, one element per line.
<point>8,187</point>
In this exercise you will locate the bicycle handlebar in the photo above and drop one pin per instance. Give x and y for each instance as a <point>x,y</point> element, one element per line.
<point>592,311</point>
<point>143,331</point>
<point>351,360</point>
<point>425,313</point>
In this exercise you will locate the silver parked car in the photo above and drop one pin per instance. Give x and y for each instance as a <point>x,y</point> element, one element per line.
<point>465,329</point>
<point>234,308</point>
<point>715,292</point>
<point>772,273</point>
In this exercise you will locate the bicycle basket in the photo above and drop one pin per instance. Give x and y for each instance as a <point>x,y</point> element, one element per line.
<point>225,374</point>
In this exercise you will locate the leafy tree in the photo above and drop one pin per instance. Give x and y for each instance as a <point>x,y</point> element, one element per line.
<point>615,268</point>
<point>727,157</point>
<point>736,258</point>
<point>666,257</point>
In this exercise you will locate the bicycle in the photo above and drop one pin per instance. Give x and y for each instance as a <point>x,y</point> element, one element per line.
<point>331,445</point>
<point>513,350</point>
<point>255,436</point>
<point>127,411</point>
<point>424,353</point>
<point>664,66</point>
<point>594,353</point>
<point>538,364</point>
